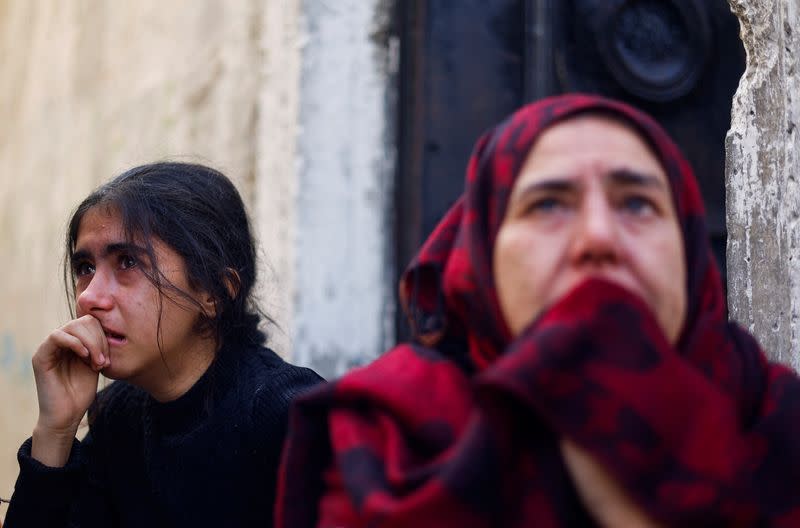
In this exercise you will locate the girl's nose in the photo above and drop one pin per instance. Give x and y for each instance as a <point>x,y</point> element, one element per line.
<point>96,296</point>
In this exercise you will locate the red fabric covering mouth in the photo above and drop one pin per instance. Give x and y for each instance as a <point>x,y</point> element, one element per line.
<point>462,428</point>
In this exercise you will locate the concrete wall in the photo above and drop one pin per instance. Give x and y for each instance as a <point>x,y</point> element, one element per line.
<point>763,198</point>
<point>292,99</point>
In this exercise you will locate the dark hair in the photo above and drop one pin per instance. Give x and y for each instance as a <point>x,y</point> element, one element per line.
<point>197,212</point>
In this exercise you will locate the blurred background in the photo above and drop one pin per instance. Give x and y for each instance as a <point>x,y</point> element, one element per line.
<point>346,125</point>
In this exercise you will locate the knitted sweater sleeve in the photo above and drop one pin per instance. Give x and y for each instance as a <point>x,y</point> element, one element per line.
<point>70,496</point>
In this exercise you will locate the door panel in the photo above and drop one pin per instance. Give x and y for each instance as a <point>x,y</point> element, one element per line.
<point>466,64</point>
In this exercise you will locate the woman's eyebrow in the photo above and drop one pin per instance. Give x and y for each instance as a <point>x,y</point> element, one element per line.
<point>559,185</point>
<point>632,177</point>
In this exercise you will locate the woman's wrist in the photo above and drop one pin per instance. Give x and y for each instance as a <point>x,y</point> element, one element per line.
<point>52,447</point>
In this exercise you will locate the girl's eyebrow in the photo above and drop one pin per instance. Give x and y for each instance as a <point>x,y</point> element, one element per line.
<point>123,247</point>
<point>110,249</point>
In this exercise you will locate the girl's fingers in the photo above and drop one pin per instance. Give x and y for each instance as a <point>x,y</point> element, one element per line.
<point>63,340</point>
<point>89,331</point>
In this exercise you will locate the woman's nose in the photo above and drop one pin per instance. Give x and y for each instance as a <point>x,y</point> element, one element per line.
<point>96,296</point>
<point>596,232</point>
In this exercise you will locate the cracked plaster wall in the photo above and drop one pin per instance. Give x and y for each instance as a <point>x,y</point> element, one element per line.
<point>763,198</point>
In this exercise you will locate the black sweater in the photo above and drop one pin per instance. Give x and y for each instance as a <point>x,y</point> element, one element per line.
<point>209,458</point>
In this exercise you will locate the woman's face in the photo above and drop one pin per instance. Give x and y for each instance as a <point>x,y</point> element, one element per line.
<point>111,286</point>
<point>591,200</point>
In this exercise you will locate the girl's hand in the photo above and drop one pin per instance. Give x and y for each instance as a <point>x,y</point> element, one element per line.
<point>66,368</point>
<point>606,501</point>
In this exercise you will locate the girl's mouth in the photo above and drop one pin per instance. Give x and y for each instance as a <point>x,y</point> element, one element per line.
<point>114,338</point>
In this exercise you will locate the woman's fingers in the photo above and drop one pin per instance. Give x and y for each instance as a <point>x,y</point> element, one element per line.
<point>605,499</point>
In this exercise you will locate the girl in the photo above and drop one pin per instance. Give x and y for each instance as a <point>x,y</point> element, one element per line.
<point>573,363</point>
<point>161,265</point>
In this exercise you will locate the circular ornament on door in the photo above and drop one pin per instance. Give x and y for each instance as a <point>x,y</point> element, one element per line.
<point>655,49</point>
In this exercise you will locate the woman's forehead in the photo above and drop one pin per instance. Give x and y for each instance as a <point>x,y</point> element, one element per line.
<point>590,141</point>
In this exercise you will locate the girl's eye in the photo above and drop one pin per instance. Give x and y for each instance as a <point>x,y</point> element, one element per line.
<point>127,262</point>
<point>81,269</point>
<point>638,205</point>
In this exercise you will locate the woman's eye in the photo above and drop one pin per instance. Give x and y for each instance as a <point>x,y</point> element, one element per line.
<point>126,262</point>
<point>638,205</point>
<point>81,269</point>
<point>546,205</point>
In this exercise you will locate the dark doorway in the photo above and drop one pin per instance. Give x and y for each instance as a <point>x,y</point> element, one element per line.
<point>466,64</point>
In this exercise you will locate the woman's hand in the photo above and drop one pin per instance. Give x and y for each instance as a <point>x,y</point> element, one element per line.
<point>606,501</point>
<point>66,368</point>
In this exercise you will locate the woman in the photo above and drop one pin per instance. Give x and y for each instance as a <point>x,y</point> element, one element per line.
<point>573,365</point>
<point>161,264</point>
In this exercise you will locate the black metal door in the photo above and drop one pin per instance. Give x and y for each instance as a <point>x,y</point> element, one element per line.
<point>466,64</point>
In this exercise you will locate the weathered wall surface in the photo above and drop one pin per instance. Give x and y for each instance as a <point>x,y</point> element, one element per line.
<point>343,306</point>
<point>275,186</point>
<point>763,198</point>
<point>86,90</point>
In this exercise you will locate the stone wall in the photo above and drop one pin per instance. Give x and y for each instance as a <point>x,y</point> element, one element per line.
<point>763,198</point>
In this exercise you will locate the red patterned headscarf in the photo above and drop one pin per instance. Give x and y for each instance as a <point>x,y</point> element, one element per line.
<point>462,427</point>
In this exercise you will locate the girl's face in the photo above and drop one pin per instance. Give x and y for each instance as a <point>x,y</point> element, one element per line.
<point>111,286</point>
<point>591,200</point>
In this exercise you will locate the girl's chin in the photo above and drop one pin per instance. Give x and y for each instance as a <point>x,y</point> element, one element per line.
<point>113,372</point>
